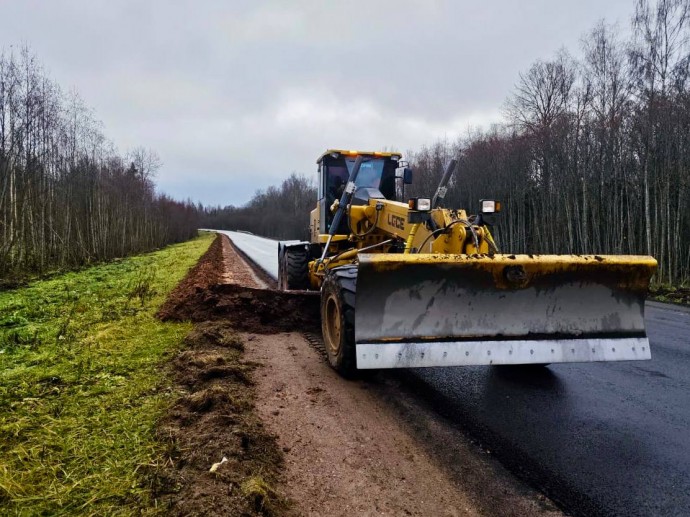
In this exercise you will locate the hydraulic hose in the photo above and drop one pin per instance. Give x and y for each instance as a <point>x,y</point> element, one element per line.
<point>352,252</point>
<point>490,239</point>
<point>410,238</point>
<point>371,228</point>
<point>467,224</point>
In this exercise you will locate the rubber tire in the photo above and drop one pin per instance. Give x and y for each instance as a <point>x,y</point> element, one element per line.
<point>338,319</point>
<point>294,269</point>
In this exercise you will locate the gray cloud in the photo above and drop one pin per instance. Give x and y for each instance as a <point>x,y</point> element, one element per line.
<point>235,95</point>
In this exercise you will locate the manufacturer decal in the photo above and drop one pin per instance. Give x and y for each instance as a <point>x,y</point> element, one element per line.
<point>396,221</point>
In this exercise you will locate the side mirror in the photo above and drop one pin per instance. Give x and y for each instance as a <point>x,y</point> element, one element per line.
<point>407,176</point>
<point>404,173</point>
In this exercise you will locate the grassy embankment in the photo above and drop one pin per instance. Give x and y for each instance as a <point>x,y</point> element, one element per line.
<point>670,294</point>
<point>80,384</point>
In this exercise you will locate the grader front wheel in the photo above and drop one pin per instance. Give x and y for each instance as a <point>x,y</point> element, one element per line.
<point>337,322</point>
<point>293,269</point>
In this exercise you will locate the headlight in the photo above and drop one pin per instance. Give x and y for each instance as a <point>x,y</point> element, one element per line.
<point>423,204</point>
<point>420,204</point>
<point>490,206</point>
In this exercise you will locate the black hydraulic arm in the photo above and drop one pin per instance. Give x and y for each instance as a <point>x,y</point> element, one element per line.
<point>443,186</point>
<point>344,201</point>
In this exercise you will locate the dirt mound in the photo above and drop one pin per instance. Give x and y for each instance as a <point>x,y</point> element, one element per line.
<point>212,334</point>
<point>255,310</point>
<point>213,422</point>
<point>208,271</point>
<point>203,295</point>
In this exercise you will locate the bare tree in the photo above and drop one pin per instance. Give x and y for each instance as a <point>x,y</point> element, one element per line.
<point>66,198</point>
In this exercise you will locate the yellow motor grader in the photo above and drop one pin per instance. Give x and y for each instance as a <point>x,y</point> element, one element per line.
<point>414,284</point>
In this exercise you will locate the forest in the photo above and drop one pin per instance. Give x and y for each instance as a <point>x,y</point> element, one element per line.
<point>67,198</point>
<point>277,212</point>
<point>593,155</point>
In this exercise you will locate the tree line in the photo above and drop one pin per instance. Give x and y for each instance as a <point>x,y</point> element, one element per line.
<point>593,156</point>
<point>277,212</point>
<point>67,198</point>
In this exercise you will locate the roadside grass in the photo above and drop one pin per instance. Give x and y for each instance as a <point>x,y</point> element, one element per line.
<point>81,386</point>
<point>679,295</point>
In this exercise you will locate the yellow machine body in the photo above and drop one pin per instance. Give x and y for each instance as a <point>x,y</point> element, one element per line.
<point>403,287</point>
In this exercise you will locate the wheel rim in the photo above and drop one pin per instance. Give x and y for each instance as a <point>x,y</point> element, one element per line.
<point>333,325</point>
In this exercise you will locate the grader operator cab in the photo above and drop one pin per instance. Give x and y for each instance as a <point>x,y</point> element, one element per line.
<point>413,284</point>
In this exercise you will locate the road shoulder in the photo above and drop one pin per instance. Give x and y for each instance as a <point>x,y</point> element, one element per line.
<point>346,453</point>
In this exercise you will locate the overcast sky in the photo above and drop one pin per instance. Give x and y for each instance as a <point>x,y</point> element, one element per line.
<point>235,95</point>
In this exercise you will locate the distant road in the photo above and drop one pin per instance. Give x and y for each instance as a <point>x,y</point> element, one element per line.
<point>261,250</point>
<point>600,438</point>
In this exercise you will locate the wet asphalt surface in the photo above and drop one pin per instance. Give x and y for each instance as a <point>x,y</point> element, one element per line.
<point>598,438</point>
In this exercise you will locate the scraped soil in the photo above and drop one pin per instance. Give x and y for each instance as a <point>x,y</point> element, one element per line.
<point>221,460</point>
<point>223,288</point>
<point>214,422</point>
<point>297,437</point>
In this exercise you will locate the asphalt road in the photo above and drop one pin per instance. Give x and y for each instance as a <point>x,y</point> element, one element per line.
<point>598,438</point>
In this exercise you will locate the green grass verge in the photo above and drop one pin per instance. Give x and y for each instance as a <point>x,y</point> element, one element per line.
<point>679,295</point>
<point>81,385</point>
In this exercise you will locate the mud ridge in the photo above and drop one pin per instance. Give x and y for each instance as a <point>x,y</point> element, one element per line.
<point>214,421</point>
<point>204,274</point>
<point>255,310</point>
<point>213,424</point>
<point>202,296</point>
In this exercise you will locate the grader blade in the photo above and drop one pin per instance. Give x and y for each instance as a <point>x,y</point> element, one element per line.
<point>416,310</point>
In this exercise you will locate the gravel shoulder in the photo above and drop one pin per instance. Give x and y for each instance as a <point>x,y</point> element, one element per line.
<point>346,453</point>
